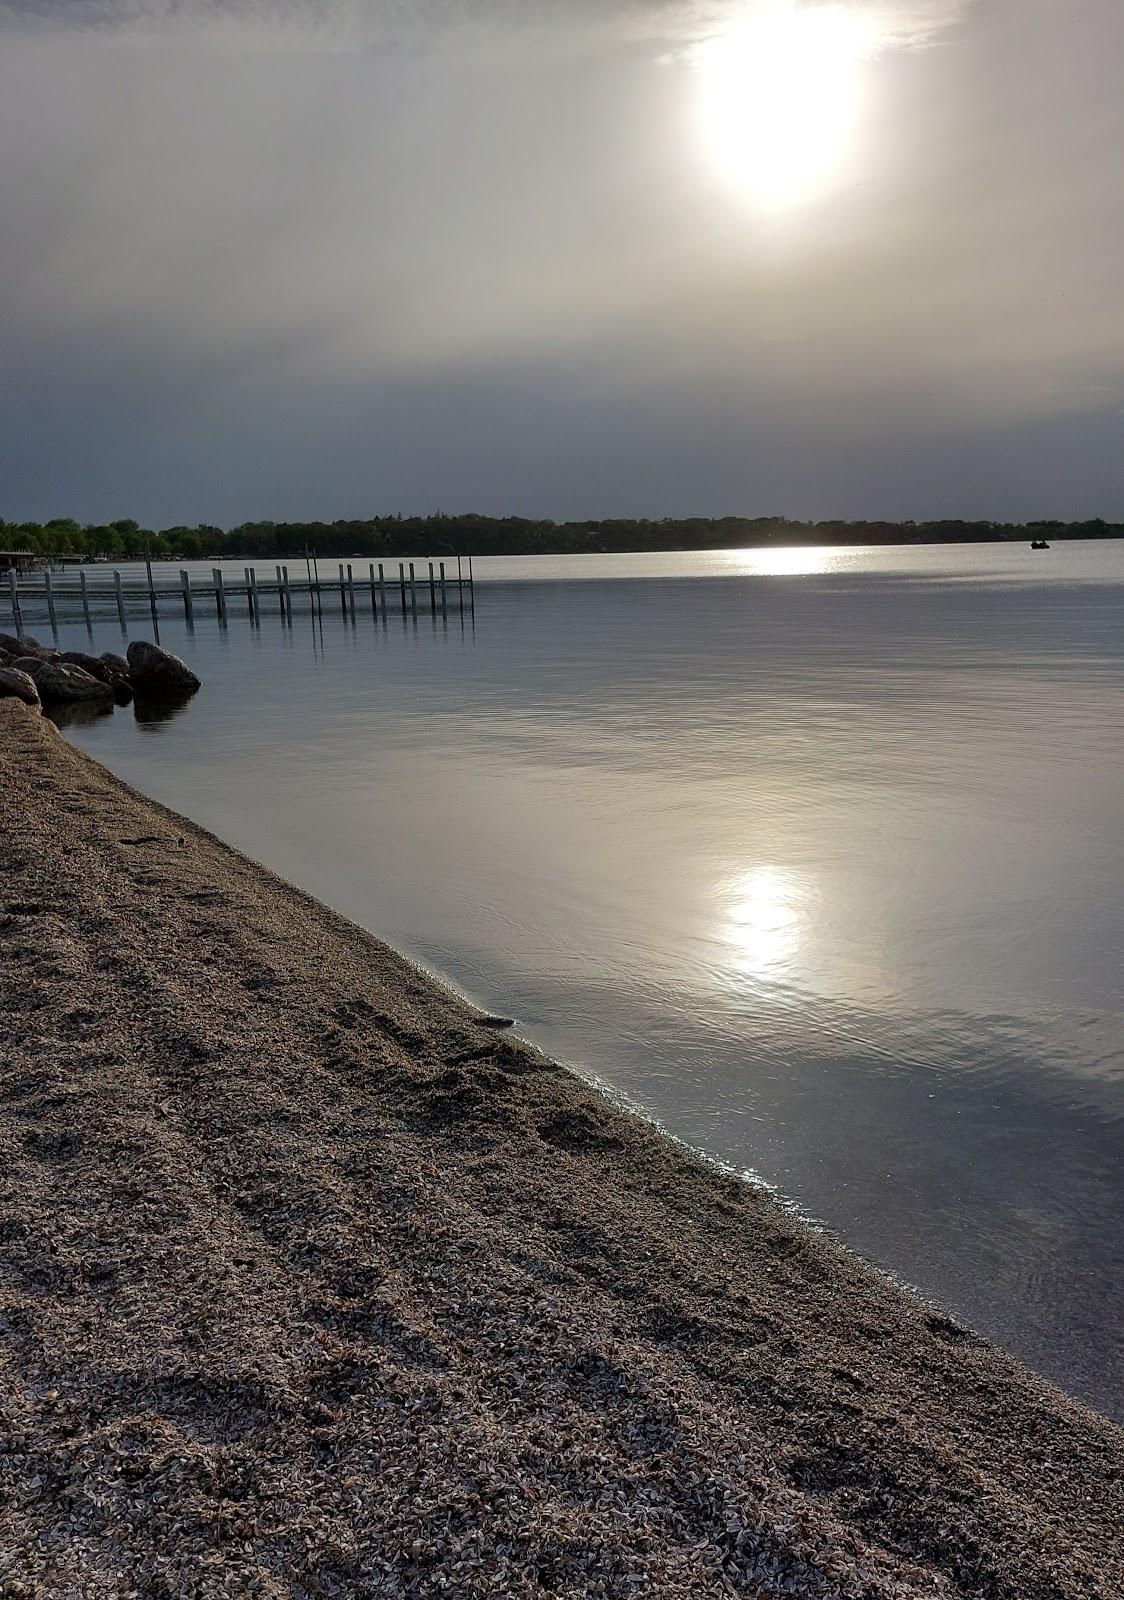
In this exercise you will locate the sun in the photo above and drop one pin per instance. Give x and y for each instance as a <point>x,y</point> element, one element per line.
<point>780,96</point>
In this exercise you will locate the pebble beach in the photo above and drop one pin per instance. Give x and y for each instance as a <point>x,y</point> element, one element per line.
<point>315,1283</point>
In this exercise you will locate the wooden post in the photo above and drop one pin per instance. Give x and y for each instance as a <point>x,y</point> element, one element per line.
<point>249,594</point>
<point>444,593</point>
<point>460,586</point>
<point>50,598</point>
<point>471,587</point>
<point>374,602</point>
<point>402,585</point>
<point>85,595</point>
<point>252,583</point>
<point>288,593</point>
<point>120,598</point>
<point>382,591</point>
<point>413,592</point>
<point>343,590</point>
<point>17,620</point>
<point>188,607</point>
<point>220,592</point>
<point>351,587</point>
<point>151,585</point>
<point>432,591</point>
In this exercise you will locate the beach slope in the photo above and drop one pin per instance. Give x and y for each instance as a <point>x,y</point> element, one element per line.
<point>313,1284</point>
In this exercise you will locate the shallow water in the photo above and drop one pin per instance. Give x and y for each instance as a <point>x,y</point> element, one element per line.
<point>814,855</point>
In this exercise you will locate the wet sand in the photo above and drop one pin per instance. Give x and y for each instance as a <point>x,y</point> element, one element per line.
<point>313,1284</point>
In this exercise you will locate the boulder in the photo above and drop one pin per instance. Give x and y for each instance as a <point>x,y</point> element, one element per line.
<point>115,672</point>
<point>59,681</point>
<point>110,669</point>
<point>94,665</point>
<point>157,672</point>
<point>16,685</point>
<point>25,645</point>
<point>31,647</point>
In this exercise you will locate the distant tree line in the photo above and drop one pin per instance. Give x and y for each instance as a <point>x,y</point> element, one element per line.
<point>476,535</point>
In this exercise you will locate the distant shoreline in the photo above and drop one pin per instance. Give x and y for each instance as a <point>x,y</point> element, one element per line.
<point>393,538</point>
<point>308,1270</point>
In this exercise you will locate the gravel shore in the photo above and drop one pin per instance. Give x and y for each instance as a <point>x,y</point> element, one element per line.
<point>313,1284</point>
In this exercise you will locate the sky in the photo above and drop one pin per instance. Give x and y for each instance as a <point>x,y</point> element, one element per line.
<point>299,259</point>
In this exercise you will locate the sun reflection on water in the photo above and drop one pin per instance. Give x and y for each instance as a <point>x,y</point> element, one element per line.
<point>763,922</point>
<point>795,561</point>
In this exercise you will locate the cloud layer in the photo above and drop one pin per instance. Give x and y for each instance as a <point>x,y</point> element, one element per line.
<point>507,24</point>
<point>244,277</point>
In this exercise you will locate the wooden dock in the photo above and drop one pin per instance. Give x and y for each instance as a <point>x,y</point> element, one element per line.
<point>417,586</point>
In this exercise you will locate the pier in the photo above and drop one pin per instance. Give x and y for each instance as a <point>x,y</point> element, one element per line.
<point>401,588</point>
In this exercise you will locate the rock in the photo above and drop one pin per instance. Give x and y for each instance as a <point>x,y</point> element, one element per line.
<point>110,669</point>
<point>94,665</point>
<point>27,646</point>
<point>16,685</point>
<point>60,681</point>
<point>157,672</point>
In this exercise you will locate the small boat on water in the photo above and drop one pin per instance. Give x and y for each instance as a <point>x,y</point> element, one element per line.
<point>1039,544</point>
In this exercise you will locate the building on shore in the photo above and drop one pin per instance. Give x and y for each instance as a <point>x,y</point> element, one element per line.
<point>19,561</point>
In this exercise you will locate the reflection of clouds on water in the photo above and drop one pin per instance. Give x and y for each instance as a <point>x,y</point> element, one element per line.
<point>763,925</point>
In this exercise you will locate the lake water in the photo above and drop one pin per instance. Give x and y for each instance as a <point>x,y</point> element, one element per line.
<point>813,855</point>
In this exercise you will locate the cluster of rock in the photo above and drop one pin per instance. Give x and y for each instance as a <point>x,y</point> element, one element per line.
<point>42,677</point>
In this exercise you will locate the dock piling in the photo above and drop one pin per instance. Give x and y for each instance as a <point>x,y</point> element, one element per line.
<point>416,581</point>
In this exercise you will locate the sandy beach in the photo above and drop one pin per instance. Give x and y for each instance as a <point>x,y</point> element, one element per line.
<point>313,1283</point>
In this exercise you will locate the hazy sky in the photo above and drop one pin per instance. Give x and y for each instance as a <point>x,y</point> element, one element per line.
<point>290,258</point>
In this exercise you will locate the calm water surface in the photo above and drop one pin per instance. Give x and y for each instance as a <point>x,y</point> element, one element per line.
<point>814,855</point>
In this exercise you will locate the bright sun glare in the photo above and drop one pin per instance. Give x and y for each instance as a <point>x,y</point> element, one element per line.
<point>763,928</point>
<point>781,92</point>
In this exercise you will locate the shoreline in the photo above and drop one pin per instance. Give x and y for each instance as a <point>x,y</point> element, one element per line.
<point>325,1287</point>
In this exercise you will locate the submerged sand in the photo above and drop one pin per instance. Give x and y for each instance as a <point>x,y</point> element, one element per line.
<point>313,1285</point>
